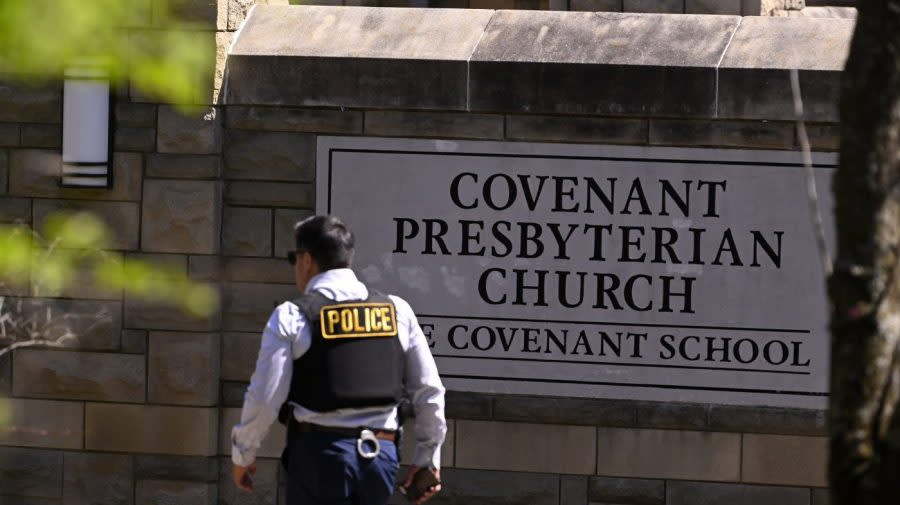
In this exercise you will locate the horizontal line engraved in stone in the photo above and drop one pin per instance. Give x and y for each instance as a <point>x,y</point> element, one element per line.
<point>626,384</point>
<point>612,363</point>
<point>631,325</point>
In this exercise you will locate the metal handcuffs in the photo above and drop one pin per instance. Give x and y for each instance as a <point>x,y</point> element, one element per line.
<point>367,436</point>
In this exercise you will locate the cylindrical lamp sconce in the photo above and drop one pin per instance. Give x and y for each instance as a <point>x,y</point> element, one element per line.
<point>86,128</point>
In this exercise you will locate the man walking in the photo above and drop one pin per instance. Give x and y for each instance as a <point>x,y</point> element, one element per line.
<point>342,357</point>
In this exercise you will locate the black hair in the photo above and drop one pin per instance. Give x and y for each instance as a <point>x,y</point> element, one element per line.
<point>327,239</point>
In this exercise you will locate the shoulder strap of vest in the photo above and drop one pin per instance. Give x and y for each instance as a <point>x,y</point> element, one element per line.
<point>378,296</point>
<point>310,304</point>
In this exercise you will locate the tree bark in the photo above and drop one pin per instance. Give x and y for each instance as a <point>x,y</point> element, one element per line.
<point>864,420</point>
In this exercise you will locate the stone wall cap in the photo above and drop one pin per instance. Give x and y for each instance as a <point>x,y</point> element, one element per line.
<point>790,42</point>
<point>360,32</point>
<point>536,62</point>
<point>606,38</point>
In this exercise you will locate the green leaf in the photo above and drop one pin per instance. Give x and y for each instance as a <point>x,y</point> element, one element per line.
<point>16,250</point>
<point>74,252</point>
<point>200,300</point>
<point>80,230</point>
<point>53,272</point>
<point>156,52</point>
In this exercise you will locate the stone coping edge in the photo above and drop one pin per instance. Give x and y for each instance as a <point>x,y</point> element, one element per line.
<point>646,65</point>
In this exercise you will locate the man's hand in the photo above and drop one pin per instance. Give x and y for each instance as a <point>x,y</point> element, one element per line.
<point>243,476</point>
<point>433,490</point>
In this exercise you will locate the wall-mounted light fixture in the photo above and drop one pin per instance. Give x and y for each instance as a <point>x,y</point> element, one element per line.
<point>86,128</point>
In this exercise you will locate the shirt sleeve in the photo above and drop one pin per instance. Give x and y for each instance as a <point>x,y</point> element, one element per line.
<point>269,384</point>
<point>426,393</point>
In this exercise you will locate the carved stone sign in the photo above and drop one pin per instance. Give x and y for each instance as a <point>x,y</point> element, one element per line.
<point>599,271</point>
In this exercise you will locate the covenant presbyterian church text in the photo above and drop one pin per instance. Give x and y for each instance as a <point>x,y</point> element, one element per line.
<point>604,202</point>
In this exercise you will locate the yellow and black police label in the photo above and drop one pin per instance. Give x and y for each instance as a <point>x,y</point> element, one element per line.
<point>359,320</point>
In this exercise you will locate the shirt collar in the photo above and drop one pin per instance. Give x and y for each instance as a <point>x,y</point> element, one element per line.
<point>338,284</point>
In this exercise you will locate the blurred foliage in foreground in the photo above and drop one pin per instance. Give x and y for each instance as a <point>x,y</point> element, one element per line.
<point>69,253</point>
<point>142,43</point>
<point>72,248</point>
<point>39,39</point>
<point>139,43</point>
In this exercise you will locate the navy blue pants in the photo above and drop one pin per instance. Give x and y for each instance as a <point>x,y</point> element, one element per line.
<point>325,469</point>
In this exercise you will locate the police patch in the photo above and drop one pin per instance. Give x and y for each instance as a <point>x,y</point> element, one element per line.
<point>358,320</point>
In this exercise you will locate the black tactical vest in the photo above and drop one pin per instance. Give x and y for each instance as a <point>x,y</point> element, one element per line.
<point>355,359</point>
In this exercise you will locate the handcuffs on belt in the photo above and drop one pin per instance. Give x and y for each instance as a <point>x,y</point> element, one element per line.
<point>367,435</point>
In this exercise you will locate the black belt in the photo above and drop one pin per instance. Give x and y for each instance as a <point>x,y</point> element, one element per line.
<point>388,435</point>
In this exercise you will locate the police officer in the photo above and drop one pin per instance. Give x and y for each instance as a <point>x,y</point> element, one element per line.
<point>341,357</point>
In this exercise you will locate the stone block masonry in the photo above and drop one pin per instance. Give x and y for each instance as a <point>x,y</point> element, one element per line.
<point>195,131</point>
<point>98,478</point>
<point>31,473</point>
<point>239,355</point>
<point>247,231</point>
<point>701,493</point>
<point>44,423</point>
<point>669,454</point>
<point>514,446</point>
<point>122,218</point>
<point>272,156</point>
<point>79,376</point>
<point>187,431</point>
<point>140,409</point>
<point>183,368</point>
<point>150,492</point>
<point>786,460</point>
<point>180,216</point>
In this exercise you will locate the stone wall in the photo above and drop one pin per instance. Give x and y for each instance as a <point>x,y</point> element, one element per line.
<point>140,410</point>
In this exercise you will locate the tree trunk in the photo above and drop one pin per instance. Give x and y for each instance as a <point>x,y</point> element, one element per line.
<point>864,420</point>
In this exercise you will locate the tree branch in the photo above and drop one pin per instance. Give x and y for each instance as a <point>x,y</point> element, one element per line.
<point>812,194</point>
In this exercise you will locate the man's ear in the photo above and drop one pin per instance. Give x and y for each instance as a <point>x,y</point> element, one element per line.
<point>317,266</point>
<point>309,263</point>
